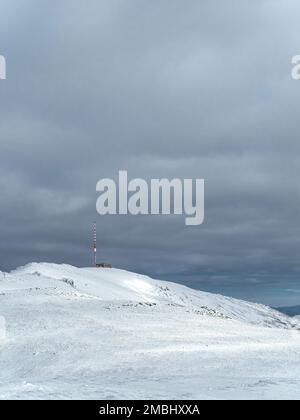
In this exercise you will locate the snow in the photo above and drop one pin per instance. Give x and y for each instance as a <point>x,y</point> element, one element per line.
<point>86,333</point>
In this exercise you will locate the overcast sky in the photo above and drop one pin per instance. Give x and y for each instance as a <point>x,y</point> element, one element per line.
<point>162,88</point>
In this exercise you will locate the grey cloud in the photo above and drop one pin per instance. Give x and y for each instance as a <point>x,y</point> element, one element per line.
<point>162,89</point>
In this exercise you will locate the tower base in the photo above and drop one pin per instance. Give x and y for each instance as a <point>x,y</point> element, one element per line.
<point>103,265</point>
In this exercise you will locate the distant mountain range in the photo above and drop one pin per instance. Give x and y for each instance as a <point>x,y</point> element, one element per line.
<point>290,310</point>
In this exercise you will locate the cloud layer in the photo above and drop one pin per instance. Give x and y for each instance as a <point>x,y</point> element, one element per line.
<point>161,89</point>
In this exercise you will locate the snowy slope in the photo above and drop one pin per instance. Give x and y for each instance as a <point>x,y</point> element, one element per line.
<point>69,332</point>
<point>120,285</point>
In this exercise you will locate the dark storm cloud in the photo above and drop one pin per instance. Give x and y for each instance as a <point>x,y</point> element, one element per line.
<point>162,89</point>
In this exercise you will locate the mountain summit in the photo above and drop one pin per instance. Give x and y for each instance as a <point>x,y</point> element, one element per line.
<point>107,333</point>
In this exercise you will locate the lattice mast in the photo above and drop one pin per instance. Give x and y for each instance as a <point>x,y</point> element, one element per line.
<point>95,243</point>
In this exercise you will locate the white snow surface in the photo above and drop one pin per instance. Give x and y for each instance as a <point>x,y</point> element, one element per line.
<point>86,333</point>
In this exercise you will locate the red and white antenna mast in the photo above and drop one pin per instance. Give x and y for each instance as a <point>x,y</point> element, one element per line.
<point>95,243</point>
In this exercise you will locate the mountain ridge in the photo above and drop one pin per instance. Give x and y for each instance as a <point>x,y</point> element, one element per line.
<point>116,284</point>
<point>86,333</point>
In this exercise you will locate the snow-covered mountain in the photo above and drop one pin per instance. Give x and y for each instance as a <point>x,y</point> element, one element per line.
<point>114,285</point>
<point>107,333</point>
